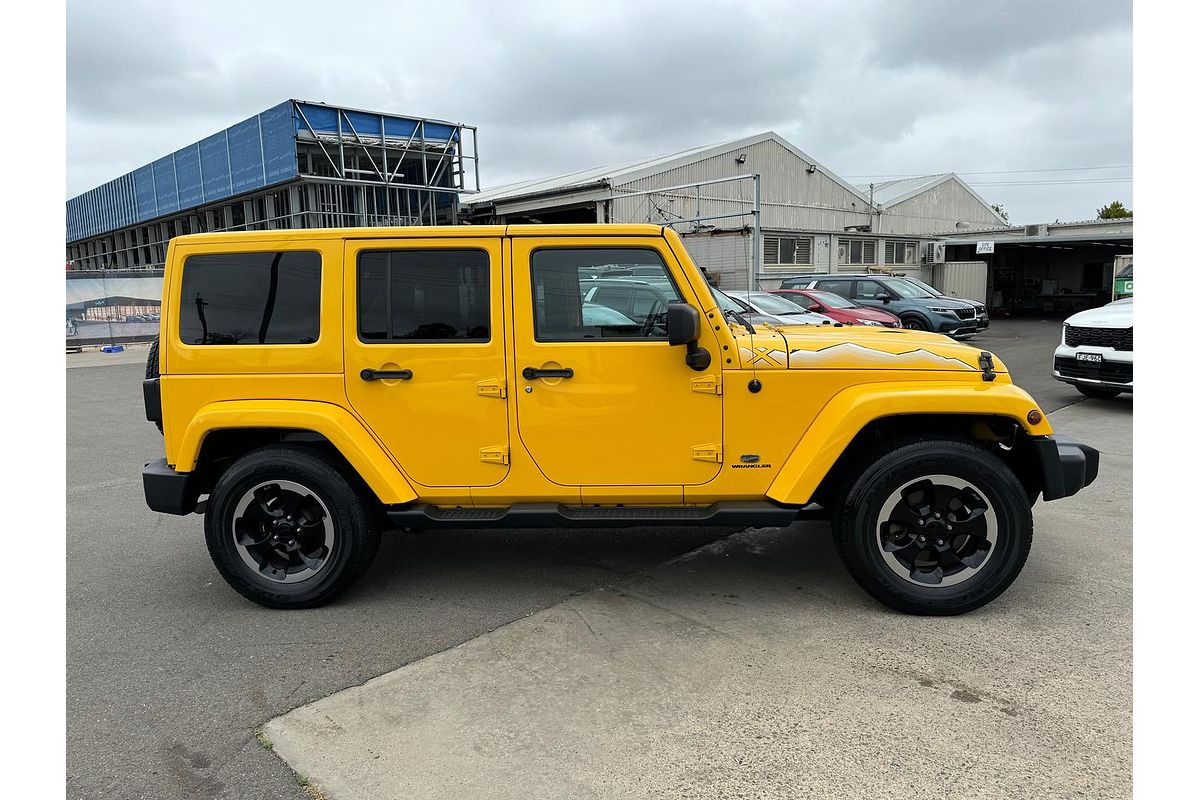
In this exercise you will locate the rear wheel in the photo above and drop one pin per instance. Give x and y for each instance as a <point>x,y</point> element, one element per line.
<point>286,529</point>
<point>915,323</point>
<point>152,370</point>
<point>1097,392</point>
<point>936,527</point>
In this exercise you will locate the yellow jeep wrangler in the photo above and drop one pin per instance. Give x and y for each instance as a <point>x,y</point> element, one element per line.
<point>315,387</point>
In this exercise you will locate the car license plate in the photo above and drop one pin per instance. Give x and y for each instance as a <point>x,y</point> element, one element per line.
<point>1095,358</point>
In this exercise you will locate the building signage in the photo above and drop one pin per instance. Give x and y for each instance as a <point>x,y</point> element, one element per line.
<point>985,247</point>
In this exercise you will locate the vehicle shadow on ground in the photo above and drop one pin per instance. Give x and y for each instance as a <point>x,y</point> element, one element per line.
<point>1123,402</point>
<point>473,565</point>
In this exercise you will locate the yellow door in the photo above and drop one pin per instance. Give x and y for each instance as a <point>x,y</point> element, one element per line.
<point>425,360</point>
<point>602,398</point>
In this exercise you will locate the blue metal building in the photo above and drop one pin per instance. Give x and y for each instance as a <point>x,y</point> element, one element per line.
<point>296,165</point>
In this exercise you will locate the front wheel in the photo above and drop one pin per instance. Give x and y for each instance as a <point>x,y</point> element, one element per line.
<point>286,529</point>
<point>934,527</point>
<point>915,324</point>
<point>1097,392</point>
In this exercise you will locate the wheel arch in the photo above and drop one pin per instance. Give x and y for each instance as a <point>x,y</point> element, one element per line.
<point>861,418</point>
<point>220,432</point>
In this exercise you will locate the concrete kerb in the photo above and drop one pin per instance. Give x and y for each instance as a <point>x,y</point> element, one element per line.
<point>755,667</point>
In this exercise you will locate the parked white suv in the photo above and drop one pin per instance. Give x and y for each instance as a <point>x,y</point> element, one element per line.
<point>1096,353</point>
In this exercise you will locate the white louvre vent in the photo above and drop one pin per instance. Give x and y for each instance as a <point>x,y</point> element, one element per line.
<point>770,250</point>
<point>803,253</point>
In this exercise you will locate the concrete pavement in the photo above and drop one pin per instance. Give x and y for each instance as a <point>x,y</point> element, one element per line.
<point>754,667</point>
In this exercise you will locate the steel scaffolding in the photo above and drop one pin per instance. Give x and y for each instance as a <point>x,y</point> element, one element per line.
<point>351,168</point>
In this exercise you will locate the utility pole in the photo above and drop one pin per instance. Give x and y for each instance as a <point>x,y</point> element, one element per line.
<point>754,262</point>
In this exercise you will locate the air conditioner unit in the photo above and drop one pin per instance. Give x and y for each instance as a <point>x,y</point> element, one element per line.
<point>1037,230</point>
<point>935,253</point>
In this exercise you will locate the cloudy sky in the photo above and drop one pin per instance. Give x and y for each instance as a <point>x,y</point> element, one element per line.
<point>1016,96</point>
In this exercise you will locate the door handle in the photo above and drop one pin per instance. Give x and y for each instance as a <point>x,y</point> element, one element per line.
<point>530,373</point>
<point>385,374</point>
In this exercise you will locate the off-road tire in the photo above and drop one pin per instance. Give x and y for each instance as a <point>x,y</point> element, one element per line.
<point>1097,392</point>
<point>891,468</point>
<point>152,370</point>
<point>355,539</point>
<point>914,323</point>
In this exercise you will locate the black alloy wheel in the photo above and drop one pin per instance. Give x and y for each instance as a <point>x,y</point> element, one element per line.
<point>284,531</point>
<point>936,531</point>
<point>933,526</point>
<point>287,528</point>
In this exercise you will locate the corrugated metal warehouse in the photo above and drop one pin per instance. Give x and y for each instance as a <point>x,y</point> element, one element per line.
<point>756,206</point>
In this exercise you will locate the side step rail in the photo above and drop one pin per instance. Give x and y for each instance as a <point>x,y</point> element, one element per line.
<point>745,514</point>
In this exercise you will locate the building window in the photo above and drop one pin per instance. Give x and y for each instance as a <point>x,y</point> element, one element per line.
<point>790,250</point>
<point>423,295</point>
<point>856,251</point>
<point>900,253</point>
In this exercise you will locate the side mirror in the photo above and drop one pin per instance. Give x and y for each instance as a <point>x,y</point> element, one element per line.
<point>683,327</point>
<point>883,297</point>
<point>683,323</point>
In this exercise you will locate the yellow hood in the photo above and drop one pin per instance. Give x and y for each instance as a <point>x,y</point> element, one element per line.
<point>855,347</point>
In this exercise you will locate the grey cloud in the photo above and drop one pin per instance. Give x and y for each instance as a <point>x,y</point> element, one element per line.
<point>898,87</point>
<point>974,36</point>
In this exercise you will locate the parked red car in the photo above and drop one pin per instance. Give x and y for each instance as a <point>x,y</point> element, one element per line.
<point>839,308</point>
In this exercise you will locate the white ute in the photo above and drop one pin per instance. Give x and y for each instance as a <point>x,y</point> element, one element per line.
<point>1096,353</point>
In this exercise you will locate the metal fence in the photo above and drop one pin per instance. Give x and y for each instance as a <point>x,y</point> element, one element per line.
<point>721,227</point>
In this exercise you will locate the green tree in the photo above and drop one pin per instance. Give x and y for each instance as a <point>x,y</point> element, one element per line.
<point>1114,210</point>
<point>999,209</point>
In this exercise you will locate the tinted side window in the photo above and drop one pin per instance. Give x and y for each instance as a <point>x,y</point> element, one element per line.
<point>837,287</point>
<point>867,290</point>
<point>589,293</point>
<point>251,298</point>
<point>422,295</point>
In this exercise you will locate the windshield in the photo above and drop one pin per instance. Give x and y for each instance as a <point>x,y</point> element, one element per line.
<point>831,300</point>
<point>923,285</point>
<point>724,301</point>
<point>908,290</point>
<point>774,304</point>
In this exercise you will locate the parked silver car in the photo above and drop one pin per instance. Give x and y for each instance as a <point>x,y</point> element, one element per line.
<point>766,308</point>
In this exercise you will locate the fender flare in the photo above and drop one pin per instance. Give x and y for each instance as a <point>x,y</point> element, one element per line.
<point>852,409</point>
<point>343,430</point>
